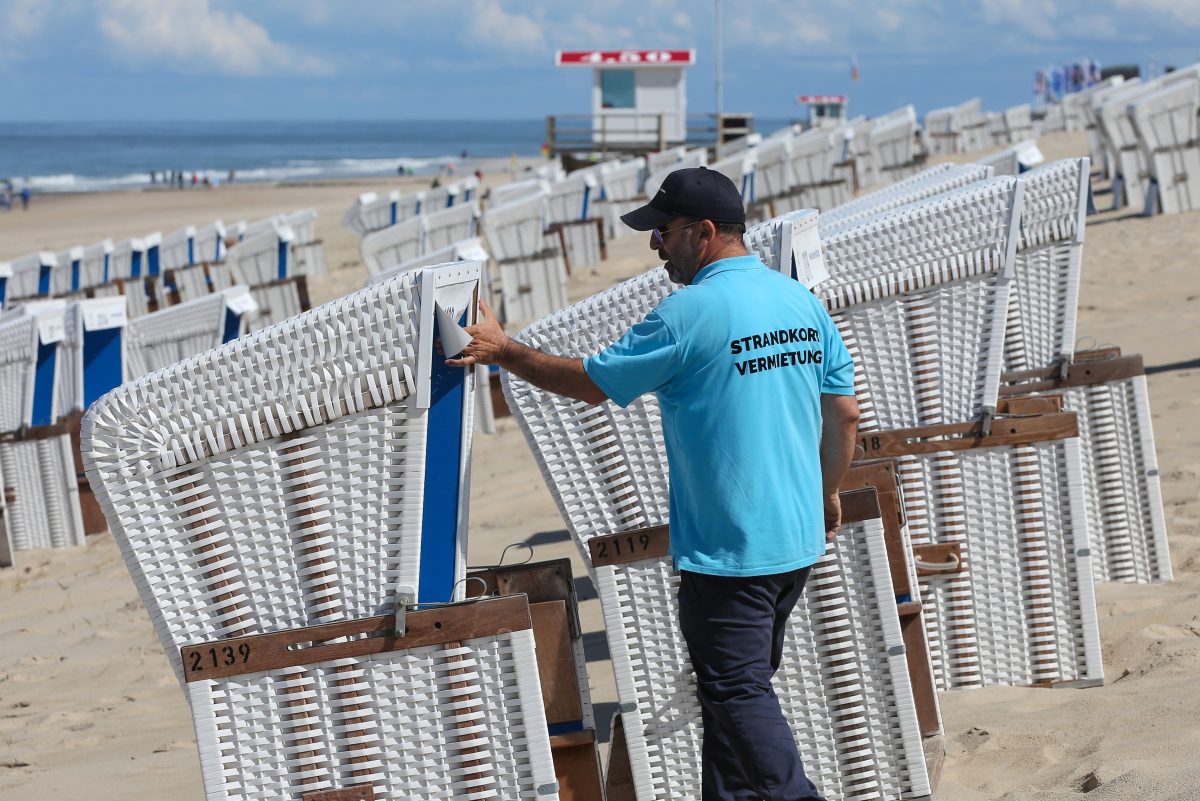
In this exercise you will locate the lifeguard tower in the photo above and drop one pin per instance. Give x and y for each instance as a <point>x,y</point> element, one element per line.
<point>824,111</point>
<point>639,101</point>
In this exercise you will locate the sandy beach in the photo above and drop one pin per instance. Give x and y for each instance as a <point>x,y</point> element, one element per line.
<point>90,709</point>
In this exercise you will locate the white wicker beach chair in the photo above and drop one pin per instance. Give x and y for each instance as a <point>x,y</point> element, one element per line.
<point>773,173</point>
<point>1131,174</point>
<point>1168,133</point>
<point>571,198</point>
<point>371,212</point>
<point>928,183</point>
<point>127,260</point>
<point>342,438</point>
<point>91,356</point>
<point>516,190</point>
<point>1014,160</point>
<point>856,152</point>
<point>36,458</point>
<point>606,469</point>
<point>96,265</point>
<point>1018,123</point>
<point>263,263</point>
<point>440,229</point>
<point>894,144</point>
<point>956,129</point>
<point>65,277</point>
<point>307,251</point>
<point>31,276</point>
<point>739,168</point>
<point>814,178</point>
<point>179,248</point>
<point>5,276</point>
<point>656,162</point>
<point>928,358</point>
<point>530,263</point>
<point>171,335</point>
<point>384,249</point>
<point>620,193</point>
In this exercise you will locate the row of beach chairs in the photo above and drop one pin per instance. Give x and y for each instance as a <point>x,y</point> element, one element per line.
<point>998,499</point>
<point>346,649</point>
<point>274,257</point>
<point>57,358</point>
<point>1147,135</point>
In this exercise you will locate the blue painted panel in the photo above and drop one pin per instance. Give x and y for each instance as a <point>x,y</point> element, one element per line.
<point>283,260</point>
<point>102,369</point>
<point>443,462</point>
<point>233,326</point>
<point>152,261</point>
<point>75,275</point>
<point>3,290</point>
<point>135,268</point>
<point>393,212</point>
<point>191,250</point>
<point>587,198</point>
<point>107,261</point>
<point>44,280</point>
<point>43,385</point>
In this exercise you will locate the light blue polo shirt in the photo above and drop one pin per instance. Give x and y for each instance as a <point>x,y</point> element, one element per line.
<point>739,360</point>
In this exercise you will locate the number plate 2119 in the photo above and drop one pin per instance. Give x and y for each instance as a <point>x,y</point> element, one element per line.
<point>629,546</point>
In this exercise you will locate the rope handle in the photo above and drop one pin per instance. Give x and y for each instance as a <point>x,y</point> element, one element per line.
<point>953,565</point>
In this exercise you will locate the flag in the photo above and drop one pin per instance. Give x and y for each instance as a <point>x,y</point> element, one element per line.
<point>854,74</point>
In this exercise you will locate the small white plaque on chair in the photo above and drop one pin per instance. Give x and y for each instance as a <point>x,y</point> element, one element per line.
<point>100,314</point>
<point>807,259</point>
<point>454,337</point>
<point>240,303</point>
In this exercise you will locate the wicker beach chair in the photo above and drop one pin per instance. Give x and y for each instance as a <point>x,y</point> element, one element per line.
<point>620,193</point>
<point>919,186</point>
<point>263,263</point>
<point>1131,174</point>
<point>1014,160</point>
<point>1169,137</point>
<point>371,212</point>
<point>179,248</point>
<point>856,152</point>
<point>740,169</point>
<point>440,229</point>
<point>894,148</point>
<point>921,296</point>
<point>815,179</point>
<point>307,250</point>
<point>1108,392</point>
<point>31,276</point>
<point>773,173</point>
<point>529,262</point>
<point>516,190</point>
<point>342,438</point>
<point>5,276</point>
<point>606,469</point>
<point>96,265</point>
<point>91,357</point>
<point>384,249</point>
<point>36,458</point>
<point>165,337</point>
<point>65,278</point>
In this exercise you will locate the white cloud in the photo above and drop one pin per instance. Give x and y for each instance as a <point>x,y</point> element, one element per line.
<point>190,34</point>
<point>491,25</point>
<point>22,19</point>
<point>1186,12</point>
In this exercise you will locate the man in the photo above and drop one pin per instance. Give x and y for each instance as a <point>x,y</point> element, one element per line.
<point>756,391</point>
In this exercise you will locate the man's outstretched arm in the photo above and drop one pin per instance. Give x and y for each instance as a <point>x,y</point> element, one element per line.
<point>839,427</point>
<point>490,345</point>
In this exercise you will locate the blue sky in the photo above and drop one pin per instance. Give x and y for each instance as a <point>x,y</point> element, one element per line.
<point>479,59</point>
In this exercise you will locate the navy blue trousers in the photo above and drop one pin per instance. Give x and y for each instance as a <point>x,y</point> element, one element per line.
<point>734,629</point>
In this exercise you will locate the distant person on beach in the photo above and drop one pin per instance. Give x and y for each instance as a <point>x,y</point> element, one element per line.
<point>25,195</point>
<point>232,175</point>
<point>435,183</point>
<point>756,392</point>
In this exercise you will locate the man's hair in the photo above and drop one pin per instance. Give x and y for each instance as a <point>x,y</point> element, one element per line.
<point>728,230</point>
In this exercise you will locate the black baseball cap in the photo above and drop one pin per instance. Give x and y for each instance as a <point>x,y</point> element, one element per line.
<point>692,192</point>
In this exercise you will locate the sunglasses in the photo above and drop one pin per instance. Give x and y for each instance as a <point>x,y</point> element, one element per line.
<point>657,235</point>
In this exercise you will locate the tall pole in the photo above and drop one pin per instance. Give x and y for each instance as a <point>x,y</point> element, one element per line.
<point>720,63</point>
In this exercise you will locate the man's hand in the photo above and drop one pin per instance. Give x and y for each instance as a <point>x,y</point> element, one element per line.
<point>488,344</point>
<point>833,516</point>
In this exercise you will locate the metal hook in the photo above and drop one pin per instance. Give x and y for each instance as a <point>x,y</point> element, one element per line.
<point>525,545</point>
<point>464,581</point>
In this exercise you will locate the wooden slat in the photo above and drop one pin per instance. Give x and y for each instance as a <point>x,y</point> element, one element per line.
<point>359,792</point>
<point>556,664</point>
<point>1079,374</point>
<point>967,436</point>
<point>259,652</point>
<point>1028,405</point>
<point>859,505</point>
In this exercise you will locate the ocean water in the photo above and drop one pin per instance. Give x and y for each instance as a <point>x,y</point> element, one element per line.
<point>93,156</point>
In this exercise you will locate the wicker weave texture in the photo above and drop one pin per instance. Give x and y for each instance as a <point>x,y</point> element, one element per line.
<point>306,434</point>
<point>925,184</point>
<point>1022,610</point>
<point>456,721</point>
<point>1169,134</point>
<point>45,510</point>
<point>850,705</point>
